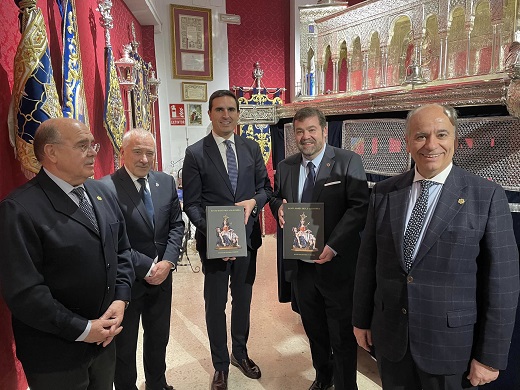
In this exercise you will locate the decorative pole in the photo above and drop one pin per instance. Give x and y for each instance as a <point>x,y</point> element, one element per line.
<point>114,119</point>
<point>106,20</point>
<point>153,95</point>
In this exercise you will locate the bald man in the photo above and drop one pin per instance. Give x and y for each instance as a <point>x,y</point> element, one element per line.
<point>66,268</point>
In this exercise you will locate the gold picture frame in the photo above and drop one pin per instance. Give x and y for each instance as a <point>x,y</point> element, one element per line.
<point>194,92</point>
<point>191,43</point>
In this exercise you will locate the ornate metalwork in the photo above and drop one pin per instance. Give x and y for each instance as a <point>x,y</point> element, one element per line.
<point>289,140</point>
<point>473,92</point>
<point>490,147</point>
<point>153,85</point>
<point>105,18</point>
<point>441,42</point>
<point>257,114</point>
<point>380,143</point>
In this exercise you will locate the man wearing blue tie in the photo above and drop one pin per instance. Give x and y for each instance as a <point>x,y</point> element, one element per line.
<point>437,281</point>
<point>225,169</point>
<point>323,289</point>
<point>155,228</point>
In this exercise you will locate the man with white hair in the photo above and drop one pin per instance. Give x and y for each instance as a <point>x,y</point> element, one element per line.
<point>155,228</point>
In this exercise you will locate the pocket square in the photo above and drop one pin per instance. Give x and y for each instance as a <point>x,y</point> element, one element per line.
<point>331,183</point>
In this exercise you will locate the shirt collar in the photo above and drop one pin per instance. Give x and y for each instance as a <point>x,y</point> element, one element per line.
<point>65,187</point>
<point>219,139</point>
<point>439,178</point>
<point>132,176</point>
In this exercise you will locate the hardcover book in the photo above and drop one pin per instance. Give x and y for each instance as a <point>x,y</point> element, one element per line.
<point>303,237</point>
<point>225,232</point>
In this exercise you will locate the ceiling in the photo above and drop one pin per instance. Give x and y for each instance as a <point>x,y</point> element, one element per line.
<point>145,11</point>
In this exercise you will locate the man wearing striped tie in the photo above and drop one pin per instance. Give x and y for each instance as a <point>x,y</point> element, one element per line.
<point>225,169</point>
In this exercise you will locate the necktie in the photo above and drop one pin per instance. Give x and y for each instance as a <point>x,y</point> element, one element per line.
<point>308,187</point>
<point>147,199</point>
<point>85,206</point>
<point>415,224</point>
<point>231,165</point>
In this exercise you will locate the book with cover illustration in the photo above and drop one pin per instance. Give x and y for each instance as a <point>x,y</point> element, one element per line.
<point>225,232</point>
<point>303,236</point>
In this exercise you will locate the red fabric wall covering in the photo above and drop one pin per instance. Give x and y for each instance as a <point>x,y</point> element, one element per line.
<point>263,36</point>
<point>92,51</point>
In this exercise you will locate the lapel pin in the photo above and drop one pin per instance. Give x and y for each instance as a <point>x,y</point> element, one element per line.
<point>99,198</point>
<point>157,184</point>
<point>461,201</point>
<point>328,164</point>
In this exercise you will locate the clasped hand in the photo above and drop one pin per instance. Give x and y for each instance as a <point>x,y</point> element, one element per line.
<point>104,329</point>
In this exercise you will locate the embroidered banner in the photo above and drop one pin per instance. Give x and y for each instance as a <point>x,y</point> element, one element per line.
<point>35,98</point>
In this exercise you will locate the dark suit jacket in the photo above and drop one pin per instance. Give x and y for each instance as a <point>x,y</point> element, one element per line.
<point>459,299</point>
<point>58,272</point>
<point>341,185</point>
<point>206,183</point>
<point>165,239</point>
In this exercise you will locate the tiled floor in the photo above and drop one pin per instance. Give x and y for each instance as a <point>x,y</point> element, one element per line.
<point>277,342</point>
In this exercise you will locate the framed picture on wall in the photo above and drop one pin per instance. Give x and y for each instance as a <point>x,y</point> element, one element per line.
<point>191,37</point>
<point>194,92</point>
<point>194,114</point>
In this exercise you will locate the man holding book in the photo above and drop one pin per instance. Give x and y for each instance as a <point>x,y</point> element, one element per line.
<point>224,169</point>
<point>323,288</point>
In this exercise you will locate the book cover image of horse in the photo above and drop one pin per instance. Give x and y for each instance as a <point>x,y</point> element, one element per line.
<point>303,231</point>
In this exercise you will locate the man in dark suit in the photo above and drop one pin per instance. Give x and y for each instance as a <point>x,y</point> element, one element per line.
<point>224,169</point>
<point>437,279</point>
<point>323,289</point>
<point>155,232</point>
<point>66,268</point>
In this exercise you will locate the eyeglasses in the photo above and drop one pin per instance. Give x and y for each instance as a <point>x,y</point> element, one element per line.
<point>84,148</point>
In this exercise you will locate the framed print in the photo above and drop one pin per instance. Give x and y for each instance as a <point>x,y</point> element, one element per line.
<point>195,114</point>
<point>191,33</point>
<point>194,92</point>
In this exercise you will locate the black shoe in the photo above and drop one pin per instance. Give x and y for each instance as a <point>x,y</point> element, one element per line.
<point>219,381</point>
<point>165,387</point>
<point>321,386</point>
<point>247,366</point>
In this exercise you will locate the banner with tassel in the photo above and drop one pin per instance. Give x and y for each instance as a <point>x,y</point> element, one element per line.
<point>35,98</point>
